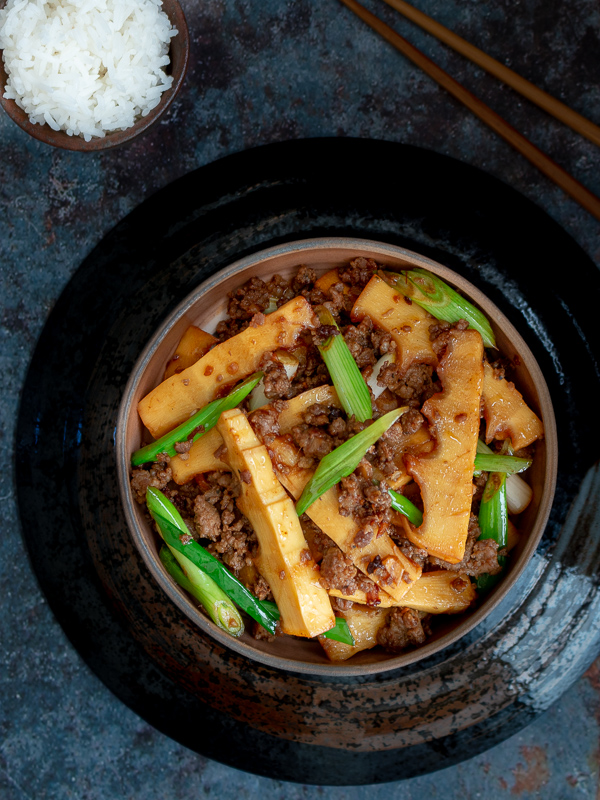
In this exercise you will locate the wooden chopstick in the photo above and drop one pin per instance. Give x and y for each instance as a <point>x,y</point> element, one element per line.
<point>567,183</point>
<point>529,90</point>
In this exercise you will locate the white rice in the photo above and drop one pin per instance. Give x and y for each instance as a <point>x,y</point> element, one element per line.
<point>87,67</point>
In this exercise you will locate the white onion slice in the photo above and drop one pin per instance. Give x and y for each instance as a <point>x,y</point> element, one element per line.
<point>518,494</point>
<point>387,358</point>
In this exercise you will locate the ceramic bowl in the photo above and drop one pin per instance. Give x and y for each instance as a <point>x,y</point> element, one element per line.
<point>179,54</point>
<point>205,307</point>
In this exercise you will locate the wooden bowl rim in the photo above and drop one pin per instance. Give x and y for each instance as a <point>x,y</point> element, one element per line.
<point>379,251</point>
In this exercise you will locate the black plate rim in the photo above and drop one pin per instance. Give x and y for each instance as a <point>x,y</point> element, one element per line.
<point>522,715</point>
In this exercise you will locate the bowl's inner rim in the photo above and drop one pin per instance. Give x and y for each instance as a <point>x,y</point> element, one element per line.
<point>354,247</point>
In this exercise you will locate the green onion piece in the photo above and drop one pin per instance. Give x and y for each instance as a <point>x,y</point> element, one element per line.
<point>345,374</point>
<point>493,513</point>
<point>207,416</point>
<point>482,447</point>
<point>175,533</point>
<point>340,631</point>
<point>342,461</point>
<point>213,599</point>
<point>404,506</point>
<point>442,302</point>
<point>510,465</point>
<point>493,522</point>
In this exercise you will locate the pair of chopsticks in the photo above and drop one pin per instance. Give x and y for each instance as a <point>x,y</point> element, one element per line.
<point>580,124</point>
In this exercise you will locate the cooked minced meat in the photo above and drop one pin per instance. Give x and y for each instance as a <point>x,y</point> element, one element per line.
<point>337,571</point>
<point>157,476</point>
<point>314,442</point>
<point>413,386</point>
<point>358,339</point>
<point>276,382</point>
<point>207,519</point>
<point>402,629</point>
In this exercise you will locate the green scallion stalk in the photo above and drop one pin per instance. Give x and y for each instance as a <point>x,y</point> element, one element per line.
<point>493,513</point>
<point>345,374</point>
<point>207,417</point>
<point>406,507</point>
<point>174,531</point>
<point>342,461</point>
<point>215,602</point>
<point>493,522</point>
<point>340,631</point>
<point>442,302</point>
<point>509,465</point>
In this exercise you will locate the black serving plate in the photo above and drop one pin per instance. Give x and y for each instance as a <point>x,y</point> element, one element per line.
<point>353,730</point>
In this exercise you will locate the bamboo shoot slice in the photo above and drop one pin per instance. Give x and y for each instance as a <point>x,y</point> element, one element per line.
<point>439,592</point>
<point>327,280</point>
<point>360,597</point>
<point>294,579</point>
<point>364,624</point>
<point>325,513</point>
<point>407,322</point>
<point>292,414</point>
<point>201,458</point>
<point>506,413</point>
<point>445,476</point>
<point>194,344</point>
<point>174,400</point>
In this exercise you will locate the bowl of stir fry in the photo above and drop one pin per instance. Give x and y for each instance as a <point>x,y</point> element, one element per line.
<point>336,456</point>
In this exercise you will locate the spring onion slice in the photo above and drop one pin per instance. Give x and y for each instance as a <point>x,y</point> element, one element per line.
<point>175,533</point>
<point>406,507</point>
<point>493,522</point>
<point>442,302</point>
<point>207,417</point>
<point>342,461</point>
<point>493,514</point>
<point>485,581</point>
<point>340,631</point>
<point>345,374</point>
<point>215,602</point>
<point>509,465</point>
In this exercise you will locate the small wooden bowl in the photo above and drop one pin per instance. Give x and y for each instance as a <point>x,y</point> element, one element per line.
<point>205,307</point>
<point>179,55</point>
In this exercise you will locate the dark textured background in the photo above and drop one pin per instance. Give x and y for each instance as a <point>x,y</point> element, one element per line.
<point>263,72</point>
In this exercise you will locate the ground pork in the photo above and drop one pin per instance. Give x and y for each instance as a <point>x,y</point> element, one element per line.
<point>314,442</point>
<point>416,554</point>
<point>358,339</point>
<point>158,476</point>
<point>265,421</point>
<point>359,272</point>
<point>318,542</point>
<point>402,629</point>
<point>337,571</point>
<point>303,280</point>
<point>276,383</point>
<point>249,299</point>
<point>413,386</point>
<point>207,519</point>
